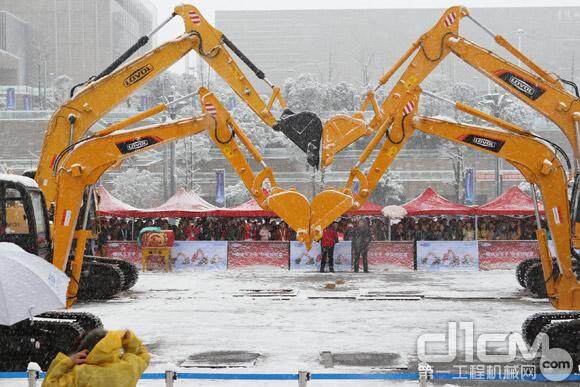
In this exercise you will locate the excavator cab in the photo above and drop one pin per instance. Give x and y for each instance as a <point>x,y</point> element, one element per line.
<point>23,215</point>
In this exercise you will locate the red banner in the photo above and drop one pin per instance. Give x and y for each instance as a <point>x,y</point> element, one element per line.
<point>400,254</point>
<point>505,254</point>
<point>242,254</point>
<point>126,250</point>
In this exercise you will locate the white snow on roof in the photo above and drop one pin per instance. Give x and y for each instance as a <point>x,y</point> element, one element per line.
<point>25,181</point>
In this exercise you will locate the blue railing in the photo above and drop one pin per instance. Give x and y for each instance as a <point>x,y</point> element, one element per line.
<point>315,376</point>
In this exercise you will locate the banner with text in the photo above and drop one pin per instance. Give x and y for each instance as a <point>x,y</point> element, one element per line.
<point>126,250</point>
<point>495,255</point>
<point>444,255</point>
<point>199,255</point>
<point>387,255</point>
<point>271,254</point>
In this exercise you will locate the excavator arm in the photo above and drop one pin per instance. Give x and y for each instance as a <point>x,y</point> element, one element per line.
<point>535,158</point>
<point>100,94</point>
<point>537,161</point>
<point>81,166</point>
<point>539,89</point>
<point>85,164</point>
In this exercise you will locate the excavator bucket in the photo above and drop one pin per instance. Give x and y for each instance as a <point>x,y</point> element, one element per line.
<point>339,132</point>
<point>294,209</point>
<point>305,130</point>
<point>326,207</point>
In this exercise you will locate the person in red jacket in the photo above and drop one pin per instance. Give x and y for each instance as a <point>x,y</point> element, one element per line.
<point>329,239</point>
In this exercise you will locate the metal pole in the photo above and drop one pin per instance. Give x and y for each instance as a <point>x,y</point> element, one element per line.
<point>33,370</point>
<point>170,378</point>
<point>536,211</point>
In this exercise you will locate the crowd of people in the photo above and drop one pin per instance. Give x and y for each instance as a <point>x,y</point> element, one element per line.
<point>272,229</point>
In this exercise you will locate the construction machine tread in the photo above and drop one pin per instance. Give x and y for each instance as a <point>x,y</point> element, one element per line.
<point>565,335</point>
<point>534,280</point>
<point>99,281</point>
<point>130,270</point>
<point>38,342</point>
<point>87,321</point>
<point>536,322</point>
<point>522,268</point>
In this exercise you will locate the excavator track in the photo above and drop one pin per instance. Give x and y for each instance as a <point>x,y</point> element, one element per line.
<point>87,321</point>
<point>522,268</point>
<point>130,271</point>
<point>534,280</point>
<point>563,329</point>
<point>100,281</point>
<point>38,342</point>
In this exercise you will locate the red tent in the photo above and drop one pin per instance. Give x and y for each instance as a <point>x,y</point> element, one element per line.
<point>182,204</point>
<point>108,205</point>
<point>511,202</point>
<point>431,203</point>
<point>368,208</point>
<point>251,208</point>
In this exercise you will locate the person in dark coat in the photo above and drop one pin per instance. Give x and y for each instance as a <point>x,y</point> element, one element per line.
<point>361,238</point>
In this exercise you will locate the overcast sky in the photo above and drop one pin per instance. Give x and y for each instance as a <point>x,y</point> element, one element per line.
<point>208,8</point>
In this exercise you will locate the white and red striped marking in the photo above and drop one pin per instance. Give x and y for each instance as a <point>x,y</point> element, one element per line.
<point>194,17</point>
<point>450,19</point>
<point>210,108</point>
<point>408,107</point>
<point>66,218</point>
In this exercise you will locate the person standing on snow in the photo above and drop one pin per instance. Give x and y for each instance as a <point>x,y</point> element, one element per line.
<point>102,359</point>
<point>329,239</point>
<point>361,238</point>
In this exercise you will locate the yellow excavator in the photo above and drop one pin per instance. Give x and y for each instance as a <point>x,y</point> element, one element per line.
<point>103,92</point>
<point>25,220</point>
<point>99,94</point>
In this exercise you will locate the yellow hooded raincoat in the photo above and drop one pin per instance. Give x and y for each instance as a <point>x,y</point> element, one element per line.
<point>114,361</point>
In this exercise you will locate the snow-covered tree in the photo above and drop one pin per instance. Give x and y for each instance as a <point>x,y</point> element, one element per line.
<point>456,154</point>
<point>60,92</point>
<point>304,93</point>
<point>237,194</point>
<point>140,188</point>
<point>389,190</point>
<point>526,187</point>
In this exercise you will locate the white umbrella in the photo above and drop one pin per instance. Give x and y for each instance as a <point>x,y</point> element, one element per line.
<point>395,214</point>
<point>29,285</point>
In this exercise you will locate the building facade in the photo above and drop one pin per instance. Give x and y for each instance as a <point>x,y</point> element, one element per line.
<point>78,38</point>
<point>358,46</point>
<point>14,49</point>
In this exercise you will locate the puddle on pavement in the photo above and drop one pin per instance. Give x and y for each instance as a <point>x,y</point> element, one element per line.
<point>222,359</point>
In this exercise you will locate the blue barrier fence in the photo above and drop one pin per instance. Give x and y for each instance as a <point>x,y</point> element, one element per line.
<point>315,376</point>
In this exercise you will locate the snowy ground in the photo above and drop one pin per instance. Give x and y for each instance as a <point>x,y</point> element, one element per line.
<point>181,314</point>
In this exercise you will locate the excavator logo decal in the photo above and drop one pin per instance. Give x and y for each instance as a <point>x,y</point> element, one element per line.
<point>137,75</point>
<point>135,144</point>
<point>483,142</point>
<point>527,88</point>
